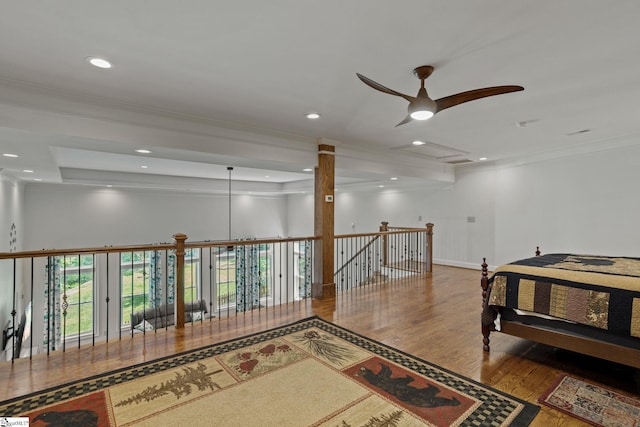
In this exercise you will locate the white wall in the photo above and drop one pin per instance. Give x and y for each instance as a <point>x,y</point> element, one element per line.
<point>584,204</point>
<point>456,241</point>
<point>300,215</point>
<point>11,227</point>
<point>80,216</point>
<point>587,203</point>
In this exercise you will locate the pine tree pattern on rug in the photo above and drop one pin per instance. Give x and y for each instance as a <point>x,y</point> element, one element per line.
<point>308,373</point>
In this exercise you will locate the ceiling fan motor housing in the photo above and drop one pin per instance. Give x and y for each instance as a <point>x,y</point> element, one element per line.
<point>422,108</point>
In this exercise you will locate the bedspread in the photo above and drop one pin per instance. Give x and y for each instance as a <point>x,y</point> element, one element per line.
<point>603,292</point>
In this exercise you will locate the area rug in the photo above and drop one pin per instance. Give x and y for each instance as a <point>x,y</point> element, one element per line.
<point>592,404</point>
<point>309,373</point>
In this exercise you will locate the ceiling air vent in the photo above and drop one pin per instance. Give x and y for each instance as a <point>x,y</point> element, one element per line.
<point>459,162</point>
<point>433,151</point>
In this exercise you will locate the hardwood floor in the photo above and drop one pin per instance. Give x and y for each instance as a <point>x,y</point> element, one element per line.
<point>436,319</point>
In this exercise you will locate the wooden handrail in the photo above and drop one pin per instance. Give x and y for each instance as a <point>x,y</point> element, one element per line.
<point>390,228</point>
<point>148,247</point>
<point>187,245</point>
<point>216,243</point>
<point>76,251</point>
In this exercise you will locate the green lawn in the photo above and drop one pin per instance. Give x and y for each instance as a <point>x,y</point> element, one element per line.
<point>79,314</point>
<point>135,289</point>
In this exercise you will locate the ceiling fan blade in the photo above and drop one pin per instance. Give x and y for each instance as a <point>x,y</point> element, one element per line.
<point>378,86</point>
<point>472,95</point>
<point>405,121</point>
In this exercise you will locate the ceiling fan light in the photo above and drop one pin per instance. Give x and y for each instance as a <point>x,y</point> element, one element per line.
<point>421,115</point>
<point>98,62</point>
<point>422,108</point>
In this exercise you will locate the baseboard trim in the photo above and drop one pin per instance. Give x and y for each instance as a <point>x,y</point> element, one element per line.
<point>462,264</point>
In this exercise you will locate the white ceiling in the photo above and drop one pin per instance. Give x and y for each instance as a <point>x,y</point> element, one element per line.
<point>205,85</point>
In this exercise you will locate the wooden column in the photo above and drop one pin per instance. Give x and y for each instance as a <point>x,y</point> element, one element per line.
<point>179,290</point>
<point>324,286</point>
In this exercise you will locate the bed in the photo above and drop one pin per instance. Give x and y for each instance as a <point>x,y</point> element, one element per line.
<point>582,303</point>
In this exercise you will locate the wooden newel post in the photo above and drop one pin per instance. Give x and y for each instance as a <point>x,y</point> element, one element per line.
<point>384,226</point>
<point>429,247</point>
<point>179,288</point>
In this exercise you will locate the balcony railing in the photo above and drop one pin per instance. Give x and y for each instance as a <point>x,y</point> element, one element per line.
<point>390,254</point>
<point>74,297</point>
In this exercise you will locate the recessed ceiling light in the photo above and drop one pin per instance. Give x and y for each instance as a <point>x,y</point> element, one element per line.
<point>99,62</point>
<point>10,155</point>
<point>144,166</point>
<point>312,116</point>
<point>142,151</point>
<point>482,158</point>
<point>266,176</point>
<point>418,143</point>
<point>37,179</point>
<point>307,170</point>
<point>27,171</point>
<point>381,186</point>
<point>109,186</point>
<point>393,178</point>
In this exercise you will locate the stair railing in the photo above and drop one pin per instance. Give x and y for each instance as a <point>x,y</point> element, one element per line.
<point>392,253</point>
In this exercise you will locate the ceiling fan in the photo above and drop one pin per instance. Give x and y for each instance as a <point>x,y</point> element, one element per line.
<point>421,107</point>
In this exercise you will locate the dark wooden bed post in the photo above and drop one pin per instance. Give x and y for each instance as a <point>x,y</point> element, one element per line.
<point>484,282</point>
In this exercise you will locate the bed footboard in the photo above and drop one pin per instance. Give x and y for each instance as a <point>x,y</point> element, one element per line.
<point>561,336</point>
<point>488,316</point>
<point>486,321</point>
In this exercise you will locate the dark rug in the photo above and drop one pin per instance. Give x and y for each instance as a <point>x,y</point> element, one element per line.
<point>309,373</point>
<point>592,404</point>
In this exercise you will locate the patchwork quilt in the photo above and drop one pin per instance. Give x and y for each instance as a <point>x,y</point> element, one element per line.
<point>602,292</point>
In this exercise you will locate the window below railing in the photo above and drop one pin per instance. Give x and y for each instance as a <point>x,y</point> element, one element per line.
<point>147,280</point>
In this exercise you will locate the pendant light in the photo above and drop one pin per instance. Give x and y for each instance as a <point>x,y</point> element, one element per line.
<point>230,168</point>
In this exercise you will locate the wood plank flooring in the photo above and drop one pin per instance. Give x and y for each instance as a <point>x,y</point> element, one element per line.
<point>435,318</point>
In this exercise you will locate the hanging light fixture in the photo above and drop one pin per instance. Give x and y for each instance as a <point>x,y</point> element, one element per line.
<point>230,168</point>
